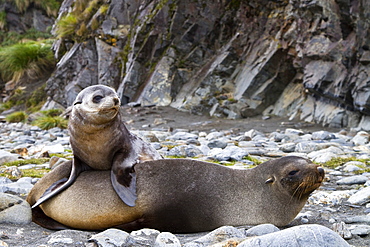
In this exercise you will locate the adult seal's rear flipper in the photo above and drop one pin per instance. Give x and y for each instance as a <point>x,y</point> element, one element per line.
<point>124,183</point>
<point>62,184</point>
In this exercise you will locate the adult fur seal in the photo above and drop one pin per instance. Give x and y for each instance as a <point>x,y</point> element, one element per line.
<point>182,195</point>
<point>101,141</point>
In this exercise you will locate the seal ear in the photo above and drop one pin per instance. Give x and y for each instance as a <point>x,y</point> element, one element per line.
<point>269,180</point>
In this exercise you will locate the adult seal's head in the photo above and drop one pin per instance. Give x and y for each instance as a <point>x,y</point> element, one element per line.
<point>182,195</point>
<point>95,105</point>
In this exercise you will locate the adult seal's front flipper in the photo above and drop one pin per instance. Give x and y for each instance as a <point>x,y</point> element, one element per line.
<point>124,182</point>
<point>59,186</point>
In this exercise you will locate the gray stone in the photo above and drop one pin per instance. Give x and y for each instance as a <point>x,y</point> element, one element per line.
<point>166,239</point>
<point>14,210</point>
<point>287,147</point>
<point>261,230</point>
<point>7,157</point>
<point>4,180</point>
<point>306,147</point>
<point>304,235</point>
<point>359,179</point>
<point>67,238</point>
<point>351,168</point>
<point>110,238</point>
<point>229,153</point>
<point>293,131</point>
<point>361,230</point>
<point>185,151</point>
<point>361,138</point>
<point>214,135</point>
<point>142,238</point>
<point>322,135</point>
<point>358,219</point>
<point>218,235</point>
<point>183,136</point>
<point>19,187</point>
<point>361,197</point>
<point>216,144</point>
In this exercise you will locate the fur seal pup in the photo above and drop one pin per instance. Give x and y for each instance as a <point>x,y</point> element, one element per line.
<point>101,141</point>
<point>183,195</point>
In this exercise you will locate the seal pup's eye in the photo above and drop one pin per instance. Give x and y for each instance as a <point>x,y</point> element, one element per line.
<point>292,173</point>
<point>97,98</point>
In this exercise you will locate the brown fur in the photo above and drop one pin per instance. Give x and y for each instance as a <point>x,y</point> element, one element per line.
<point>181,195</point>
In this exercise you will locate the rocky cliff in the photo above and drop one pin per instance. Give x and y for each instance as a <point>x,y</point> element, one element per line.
<point>309,60</point>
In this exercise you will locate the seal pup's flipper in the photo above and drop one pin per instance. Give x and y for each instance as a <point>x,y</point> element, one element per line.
<point>124,181</point>
<point>59,186</point>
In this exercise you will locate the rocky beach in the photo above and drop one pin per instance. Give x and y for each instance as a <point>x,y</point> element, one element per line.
<point>340,204</point>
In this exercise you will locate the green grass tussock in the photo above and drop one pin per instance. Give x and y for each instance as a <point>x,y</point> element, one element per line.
<point>49,122</point>
<point>16,117</point>
<point>31,59</point>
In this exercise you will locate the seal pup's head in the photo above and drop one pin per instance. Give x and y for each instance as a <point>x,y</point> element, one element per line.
<point>96,104</point>
<point>295,175</point>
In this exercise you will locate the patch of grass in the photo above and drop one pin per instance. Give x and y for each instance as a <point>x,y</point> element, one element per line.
<point>48,122</point>
<point>32,59</point>
<point>51,7</point>
<point>66,26</point>
<point>65,156</point>
<point>3,20</point>
<point>335,162</point>
<point>25,162</point>
<point>37,99</point>
<point>16,117</point>
<point>52,112</point>
<point>35,172</point>
<point>254,160</point>
<point>79,23</point>
<point>175,157</point>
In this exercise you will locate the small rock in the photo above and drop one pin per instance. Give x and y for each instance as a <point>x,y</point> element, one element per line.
<point>183,136</point>
<point>7,157</point>
<point>261,230</point>
<point>166,239</point>
<point>287,147</point>
<point>218,235</point>
<point>359,179</point>
<point>342,229</point>
<point>217,144</point>
<point>305,147</point>
<point>304,235</point>
<point>214,135</point>
<point>352,166</point>
<point>110,238</point>
<point>14,210</point>
<point>358,219</point>
<point>361,197</point>
<point>361,138</point>
<point>361,230</point>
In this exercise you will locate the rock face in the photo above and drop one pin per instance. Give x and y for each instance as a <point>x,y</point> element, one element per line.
<point>308,60</point>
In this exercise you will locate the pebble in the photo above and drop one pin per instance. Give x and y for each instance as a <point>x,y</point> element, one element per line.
<point>361,197</point>
<point>14,210</point>
<point>21,141</point>
<point>359,179</point>
<point>304,235</point>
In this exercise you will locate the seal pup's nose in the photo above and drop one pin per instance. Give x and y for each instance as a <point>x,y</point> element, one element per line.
<point>116,101</point>
<point>321,171</point>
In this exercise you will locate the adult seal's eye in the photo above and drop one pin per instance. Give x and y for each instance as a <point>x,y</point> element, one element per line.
<point>97,98</point>
<point>292,173</point>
